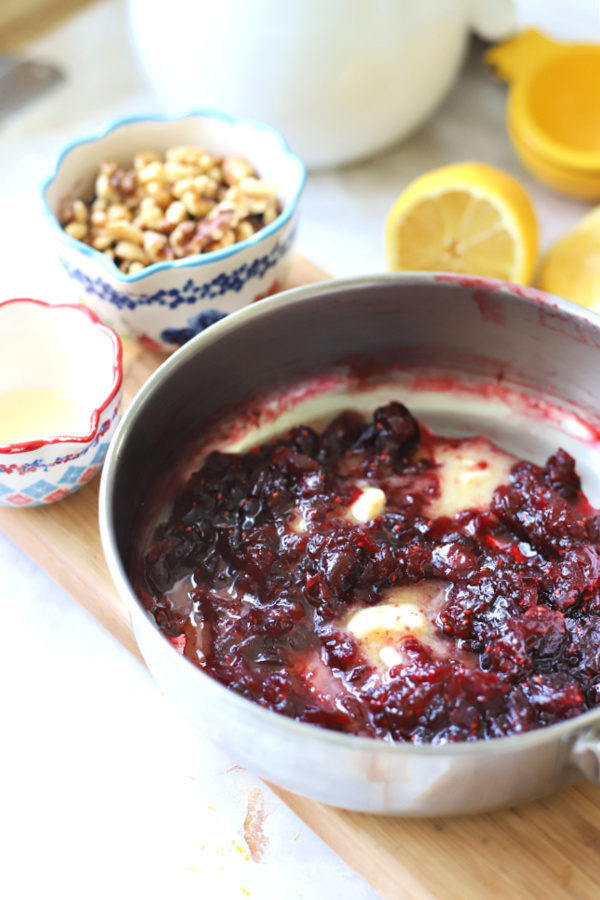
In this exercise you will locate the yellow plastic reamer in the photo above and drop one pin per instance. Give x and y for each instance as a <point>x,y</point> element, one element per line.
<point>553,109</point>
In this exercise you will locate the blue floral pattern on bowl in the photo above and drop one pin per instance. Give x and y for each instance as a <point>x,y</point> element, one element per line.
<point>191,292</point>
<point>199,323</point>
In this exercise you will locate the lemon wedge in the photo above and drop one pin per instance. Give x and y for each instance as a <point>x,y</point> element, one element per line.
<point>469,218</point>
<point>571,268</point>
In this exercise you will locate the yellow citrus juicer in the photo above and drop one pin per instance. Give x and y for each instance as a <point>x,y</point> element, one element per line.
<point>553,109</point>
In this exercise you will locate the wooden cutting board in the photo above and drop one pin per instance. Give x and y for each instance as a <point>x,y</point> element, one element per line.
<point>549,849</point>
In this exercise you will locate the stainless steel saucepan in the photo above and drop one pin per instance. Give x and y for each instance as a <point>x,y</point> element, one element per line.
<point>468,356</point>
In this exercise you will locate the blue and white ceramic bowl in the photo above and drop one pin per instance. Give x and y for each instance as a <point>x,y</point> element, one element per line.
<point>168,302</point>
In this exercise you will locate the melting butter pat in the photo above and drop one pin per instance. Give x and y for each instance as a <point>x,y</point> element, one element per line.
<point>387,622</point>
<point>369,505</point>
<point>469,474</point>
<point>297,522</point>
<point>390,656</point>
<point>406,611</point>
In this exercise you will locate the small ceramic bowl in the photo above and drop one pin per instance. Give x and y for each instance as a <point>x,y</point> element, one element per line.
<point>168,302</point>
<point>60,399</point>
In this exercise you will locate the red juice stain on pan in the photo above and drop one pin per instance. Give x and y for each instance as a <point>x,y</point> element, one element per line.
<point>487,295</point>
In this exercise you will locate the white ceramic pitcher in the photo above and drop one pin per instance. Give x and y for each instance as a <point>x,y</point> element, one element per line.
<point>341,79</point>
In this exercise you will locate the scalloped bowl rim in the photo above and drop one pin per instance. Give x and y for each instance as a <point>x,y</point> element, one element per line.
<point>117,380</point>
<point>189,261</point>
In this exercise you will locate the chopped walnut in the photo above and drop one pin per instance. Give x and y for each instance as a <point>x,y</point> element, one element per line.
<point>182,203</point>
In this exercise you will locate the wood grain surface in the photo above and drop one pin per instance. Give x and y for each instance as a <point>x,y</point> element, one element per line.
<point>22,21</point>
<point>549,849</point>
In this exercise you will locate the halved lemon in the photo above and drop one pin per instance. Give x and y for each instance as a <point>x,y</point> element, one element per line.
<point>469,218</point>
<point>571,268</point>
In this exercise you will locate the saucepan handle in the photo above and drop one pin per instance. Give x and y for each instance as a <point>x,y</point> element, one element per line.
<point>585,754</point>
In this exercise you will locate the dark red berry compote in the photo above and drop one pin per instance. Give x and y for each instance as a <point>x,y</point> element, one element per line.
<point>380,580</point>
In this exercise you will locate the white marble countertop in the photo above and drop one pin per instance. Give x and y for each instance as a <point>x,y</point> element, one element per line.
<point>105,790</point>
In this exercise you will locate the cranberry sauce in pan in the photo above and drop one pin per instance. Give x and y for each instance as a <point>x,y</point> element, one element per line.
<point>380,580</point>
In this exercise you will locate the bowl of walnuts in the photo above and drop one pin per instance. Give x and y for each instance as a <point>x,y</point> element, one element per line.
<point>165,225</point>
